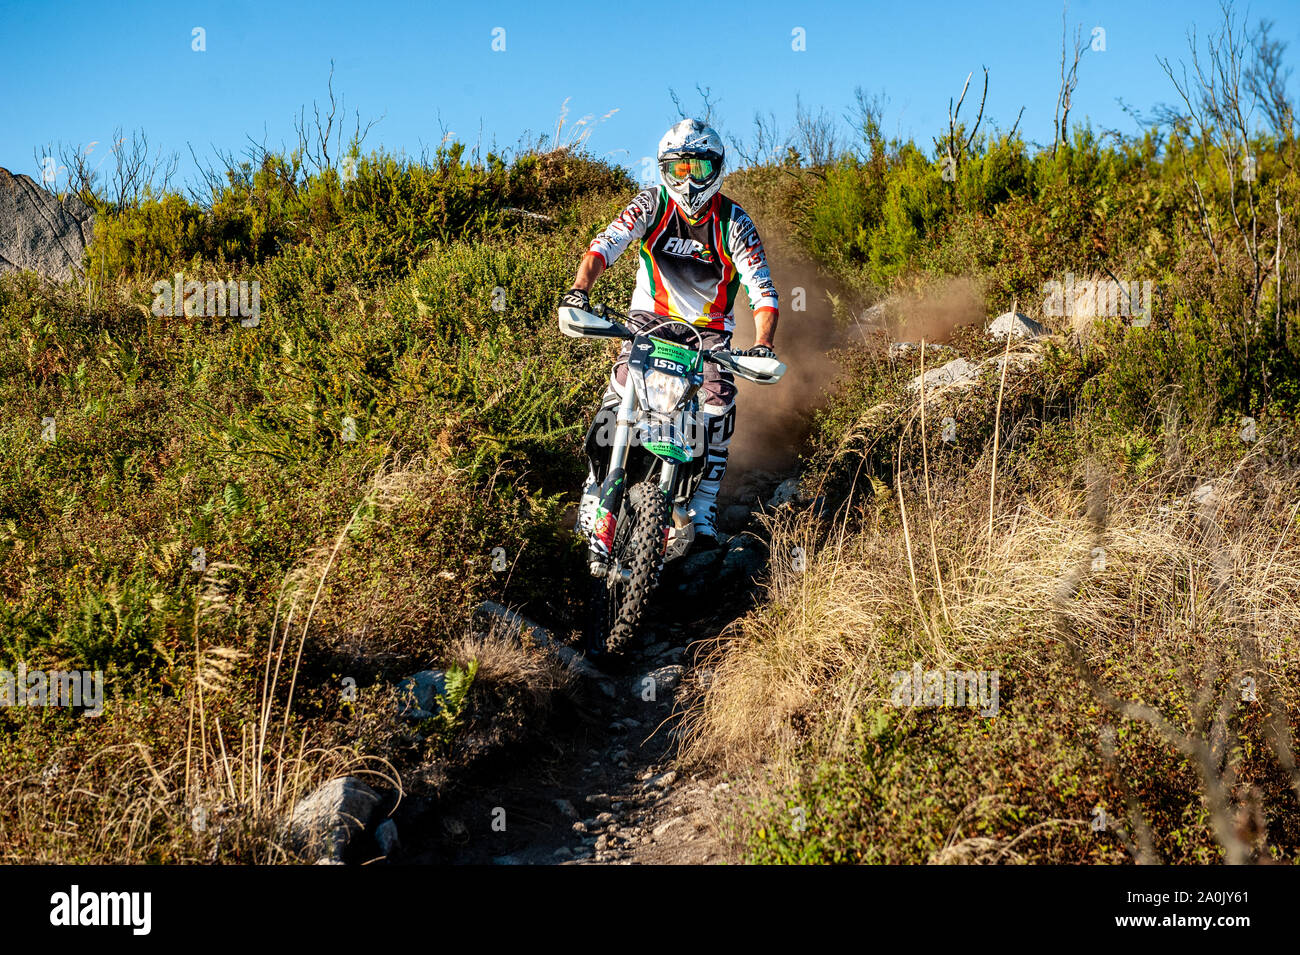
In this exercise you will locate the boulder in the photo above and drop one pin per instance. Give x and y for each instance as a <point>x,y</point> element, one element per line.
<point>386,837</point>
<point>39,232</point>
<point>745,558</point>
<point>324,823</point>
<point>1016,325</point>
<point>787,491</point>
<point>665,679</point>
<point>490,614</point>
<point>957,373</point>
<point>419,694</point>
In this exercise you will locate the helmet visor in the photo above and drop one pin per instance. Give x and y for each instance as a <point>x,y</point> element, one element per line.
<point>679,170</point>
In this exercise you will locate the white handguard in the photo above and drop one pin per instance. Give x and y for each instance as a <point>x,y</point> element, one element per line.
<point>764,371</point>
<point>577,323</point>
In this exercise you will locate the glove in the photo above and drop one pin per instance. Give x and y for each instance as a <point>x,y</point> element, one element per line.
<point>758,351</point>
<point>576,298</point>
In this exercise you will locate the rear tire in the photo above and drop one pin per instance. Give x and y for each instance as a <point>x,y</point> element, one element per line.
<point>616,611</point>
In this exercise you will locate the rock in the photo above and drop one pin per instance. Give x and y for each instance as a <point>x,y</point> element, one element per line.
<point>665,826</point>
<point>957,373</point>
<point>39,232</point>
<point>564,852</point>
<point>787,491</point>
<point>598,799</point>
<point>665,678</point>
<point>579,826</point>
<point>735,516</point>
<point>745,558</point>
<point>454,827</point>
<point>507,860</point>
<point>566,808</point>
<point>326,821</point>
<point>1016,325</point>
<point>576,661</point>
<point>419,693</point>
<point>491,615</point>
<point>662,781</point>
<point>386,837</point>
<point>1203,494</point>
<point>696,571</point>
<point>605,819</point>
<point>674,654</point>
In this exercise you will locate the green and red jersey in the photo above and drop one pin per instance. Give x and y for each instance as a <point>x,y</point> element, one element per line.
<point>690,271</point>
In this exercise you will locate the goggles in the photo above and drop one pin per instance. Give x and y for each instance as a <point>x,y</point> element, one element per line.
<point>700,170</point>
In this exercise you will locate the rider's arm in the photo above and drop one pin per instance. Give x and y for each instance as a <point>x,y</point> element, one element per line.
<point>765,326</point>
<point>589,270</point>
<point>746,250</point>
<point>629,227</point>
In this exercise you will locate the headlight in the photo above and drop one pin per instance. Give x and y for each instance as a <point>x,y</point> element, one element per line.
<point>664,391</point>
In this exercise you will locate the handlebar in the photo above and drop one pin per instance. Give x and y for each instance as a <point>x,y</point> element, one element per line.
<point>720,356</point>
<point>609,323</point>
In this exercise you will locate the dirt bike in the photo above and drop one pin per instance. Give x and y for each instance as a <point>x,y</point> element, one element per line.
<point>648,454</point>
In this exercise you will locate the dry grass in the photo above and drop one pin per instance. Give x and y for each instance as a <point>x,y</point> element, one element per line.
<point>1167,601</point>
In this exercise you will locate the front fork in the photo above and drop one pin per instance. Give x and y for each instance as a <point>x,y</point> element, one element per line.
<point>611,491</point>
<point>615,486</point>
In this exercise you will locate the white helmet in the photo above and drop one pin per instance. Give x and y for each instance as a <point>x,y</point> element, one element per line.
<point>690,164</point>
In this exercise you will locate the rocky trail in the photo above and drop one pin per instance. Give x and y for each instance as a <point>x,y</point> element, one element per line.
<point>603,785</point>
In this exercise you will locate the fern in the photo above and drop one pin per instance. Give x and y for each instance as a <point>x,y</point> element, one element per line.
<point>451,705</point>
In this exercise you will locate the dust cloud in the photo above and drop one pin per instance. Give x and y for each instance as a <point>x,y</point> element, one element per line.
<point>773,422</point>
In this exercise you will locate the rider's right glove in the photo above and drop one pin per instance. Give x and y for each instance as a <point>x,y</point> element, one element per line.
<point>576,298</point>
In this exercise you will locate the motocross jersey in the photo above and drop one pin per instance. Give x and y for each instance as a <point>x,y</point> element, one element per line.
<point>690,271</point>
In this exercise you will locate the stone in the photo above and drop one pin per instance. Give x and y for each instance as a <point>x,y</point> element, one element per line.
<point>662,781</point>
<point>745,558</point>
<point>418,694</point>
<point>386,837</point>
<point>665,826</point>
<point>786,492</point>
<point>492,615</point>
<point>666,678</point>
<point>325,822</point>
<point>1016,325</point>
<point>957,373</point>
<point>735,517</point>
<point>39,232</point>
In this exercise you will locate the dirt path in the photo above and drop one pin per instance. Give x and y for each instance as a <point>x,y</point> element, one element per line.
<point>604,787</point>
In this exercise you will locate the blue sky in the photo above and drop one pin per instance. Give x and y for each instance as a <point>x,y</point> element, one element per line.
<point>74,71</point>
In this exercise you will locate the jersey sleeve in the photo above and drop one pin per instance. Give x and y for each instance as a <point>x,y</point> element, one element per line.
<point>746,250</point>
<point>629,227</point>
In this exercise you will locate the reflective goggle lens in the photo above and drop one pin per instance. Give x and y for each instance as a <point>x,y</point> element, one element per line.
<point>697,169</point>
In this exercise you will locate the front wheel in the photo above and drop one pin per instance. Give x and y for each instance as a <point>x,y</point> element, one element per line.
<point>619,600</point>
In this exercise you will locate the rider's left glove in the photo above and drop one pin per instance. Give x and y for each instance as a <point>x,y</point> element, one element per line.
<point>758,351</point>
<point>576,298</point>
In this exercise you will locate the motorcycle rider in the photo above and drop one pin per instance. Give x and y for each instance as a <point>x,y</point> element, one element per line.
<point>695,249</point>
